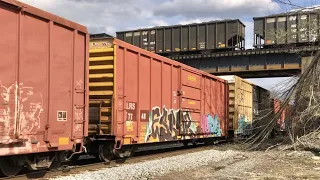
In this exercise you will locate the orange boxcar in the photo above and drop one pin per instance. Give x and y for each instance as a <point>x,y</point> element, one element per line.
<point>140,97</point>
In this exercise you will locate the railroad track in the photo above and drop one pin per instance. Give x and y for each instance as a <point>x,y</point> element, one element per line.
<point>92,164</point>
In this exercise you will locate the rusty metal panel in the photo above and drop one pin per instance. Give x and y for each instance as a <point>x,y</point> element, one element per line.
<point>157,99</point>
<point>43,77</point>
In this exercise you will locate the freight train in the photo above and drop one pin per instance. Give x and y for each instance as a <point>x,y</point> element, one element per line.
<point>64,93</point>
<point>197,37</point>
<point>298,27</point>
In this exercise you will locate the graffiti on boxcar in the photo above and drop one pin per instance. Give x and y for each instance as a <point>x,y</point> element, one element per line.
<point>21,109</point>
<point>211,125</point>
<point>78,113</point>
<point>6,111</point>
<point>244,125</point>
<point>189,126</point>
<point>79,84</point>
<point>165,124</point>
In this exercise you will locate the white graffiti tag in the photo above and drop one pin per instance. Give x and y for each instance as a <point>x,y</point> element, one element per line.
<point>78,113</point>
<point>20,110</point>
<point>79,84</point>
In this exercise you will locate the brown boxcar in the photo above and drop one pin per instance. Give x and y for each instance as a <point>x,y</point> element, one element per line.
<point>294,27</point>
<point>213,35</point>
<point>140,97</point>
<point>43,78</point>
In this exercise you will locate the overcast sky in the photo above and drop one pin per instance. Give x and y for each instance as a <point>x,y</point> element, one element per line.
<point>110,16</point>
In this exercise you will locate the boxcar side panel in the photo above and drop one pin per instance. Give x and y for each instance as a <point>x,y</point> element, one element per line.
<point>35,59</point>
<point>9,50</point>
<point>157,99</point>
<point>80,85</point>
<point>43,76</point>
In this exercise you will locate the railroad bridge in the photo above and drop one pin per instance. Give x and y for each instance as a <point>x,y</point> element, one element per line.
<point>257,63</point>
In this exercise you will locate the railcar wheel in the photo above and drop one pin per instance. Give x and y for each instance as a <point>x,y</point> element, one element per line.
<point>106,152</point>
<point>8,167</point>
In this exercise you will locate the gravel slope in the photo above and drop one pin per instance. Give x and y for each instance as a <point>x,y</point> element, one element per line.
<point>158,167</point>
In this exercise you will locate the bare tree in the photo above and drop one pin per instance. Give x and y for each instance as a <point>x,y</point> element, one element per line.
<point>300,95</point>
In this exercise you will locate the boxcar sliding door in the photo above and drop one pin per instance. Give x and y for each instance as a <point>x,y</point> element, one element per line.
<point>190,102</point>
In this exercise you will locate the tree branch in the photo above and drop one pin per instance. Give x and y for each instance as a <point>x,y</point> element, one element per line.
<point>287,3</point>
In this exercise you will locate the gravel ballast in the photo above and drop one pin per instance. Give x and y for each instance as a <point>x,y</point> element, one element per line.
<point>158,167</point>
